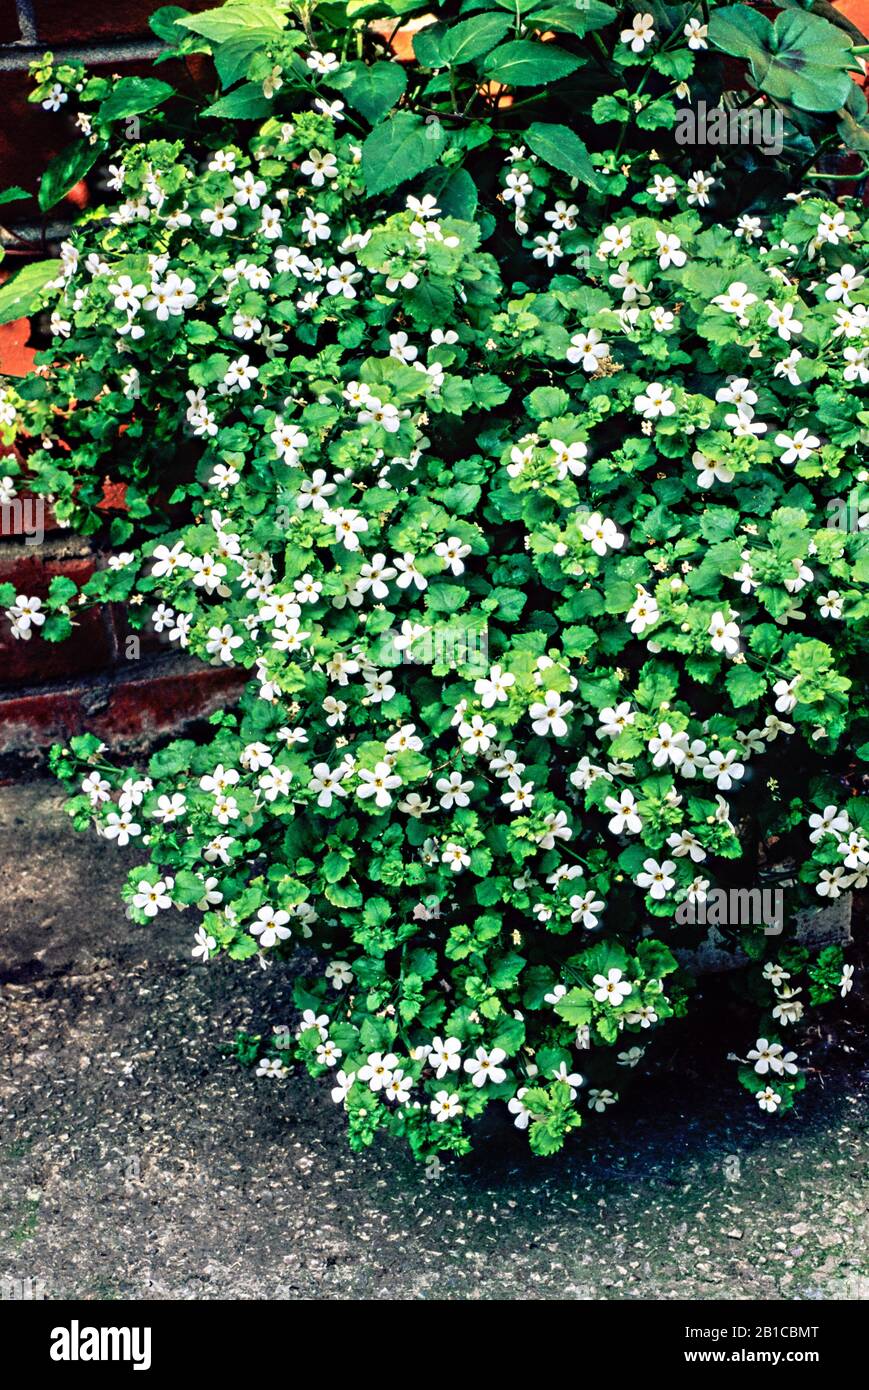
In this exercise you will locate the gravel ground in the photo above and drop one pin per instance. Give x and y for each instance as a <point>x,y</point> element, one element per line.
<point>136,1161</point>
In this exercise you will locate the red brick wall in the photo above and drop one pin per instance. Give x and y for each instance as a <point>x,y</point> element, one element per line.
<point>50,691</point>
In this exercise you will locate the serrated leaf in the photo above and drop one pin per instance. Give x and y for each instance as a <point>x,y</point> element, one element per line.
<point>559,147</point>
<point>399,149</point>
<point>523,63</point>
<point>371,88</point>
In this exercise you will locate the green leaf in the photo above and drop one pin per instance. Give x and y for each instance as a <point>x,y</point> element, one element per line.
<point>471,38</point>
<point>559,147</point>
<point>524,63</point>
<point>801,58</point>
<point>575,1007</point>
<point>745,686</point>
<point>232,59</point>
<point>246,103</point>
<point>13,195</point>
<point>573,19</point>
<point>65,170</point>
<point>225,21</point>
<point>20,295</point>
<point>162,23</point>
<point>373,89</point>
<point>132,96</point>
<point>399,149</point>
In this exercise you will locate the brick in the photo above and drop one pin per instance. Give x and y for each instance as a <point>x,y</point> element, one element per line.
<point>29,137</point>
<point>16,358</point>
<point>133,711</point>
<point>92,645</point>
<point>10,29</point>
<point>144,707</point>
<point>58,21</point>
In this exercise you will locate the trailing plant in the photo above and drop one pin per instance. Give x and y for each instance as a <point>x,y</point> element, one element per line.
<point>516,453</point>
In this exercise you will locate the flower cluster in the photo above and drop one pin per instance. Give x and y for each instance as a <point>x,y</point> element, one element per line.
<point>514,510</point>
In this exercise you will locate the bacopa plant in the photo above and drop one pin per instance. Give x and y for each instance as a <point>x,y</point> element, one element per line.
<point>513,446</point>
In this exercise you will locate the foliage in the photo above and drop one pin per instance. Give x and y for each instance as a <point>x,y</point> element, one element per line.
<point>506,444</point>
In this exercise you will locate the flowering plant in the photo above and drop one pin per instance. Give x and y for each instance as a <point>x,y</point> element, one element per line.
<point>507,457</point>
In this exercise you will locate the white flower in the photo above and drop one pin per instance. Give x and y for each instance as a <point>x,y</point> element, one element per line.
<point>769,1100</point>
<point>631,1057</point>
<point>724,769</point>
<point>348,524</point>
<point>151,898</point>
<point>611,988</point>
<point>445,1056</point>
<point>495,687</point>
<point>616,240</point>
<point>485,1066</point>
<point>517,1107</point>
<point>341,1090</point>
<point>445,1106</point>
<point>736,299</point>
<point>724,633</point>
<point>270,926</point>
<point>548,716</point>
<point>656,878</point>
<point>846,983</point>
<point>319,167</point>
<point>569,458</point>
<point>379,782</point>
<point>800,446</point>
<point>205,944</point>
<point>655,401</point>
<point>587,349</point>
<point>625,816</point>
<point>599,1099</point>
<point>378,1070</point>
<point>342,279</point>
<point>456,856</point>
<point>843,283</point>
<point>695,33</point>
<point>781,318</point>
<point>586,909</point>
<point>641,33</point>
<point>669,250</point>
<point>668,747</point>
<point>709,471</point>
<point>221,218</point>
<point>602,534</point>
<point>454,791</point>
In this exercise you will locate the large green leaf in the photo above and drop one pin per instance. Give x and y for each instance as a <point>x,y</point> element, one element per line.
<point>524,63</point>
<point>226,21</point>
<point>399,149</point>
<point>134,95</point>
<point>471,38</point>
<point>562,149</point>
<point>572,19</point>
<point>18,297</point>
<point>800,58</point>
<point>371,88</point>
<point>65,170</point>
